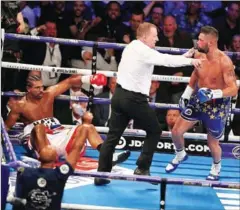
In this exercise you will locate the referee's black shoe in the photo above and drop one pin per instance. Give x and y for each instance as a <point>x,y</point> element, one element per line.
<point>143,172</point>
<point>117,159</point>
<point>120,157</point>
<point>100,181</point>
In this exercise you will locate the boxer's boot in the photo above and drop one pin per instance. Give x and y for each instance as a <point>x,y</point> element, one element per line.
<point>179,158</point>
<point>214,172</point>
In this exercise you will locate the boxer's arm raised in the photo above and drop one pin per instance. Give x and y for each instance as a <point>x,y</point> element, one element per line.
<point>61,87</point>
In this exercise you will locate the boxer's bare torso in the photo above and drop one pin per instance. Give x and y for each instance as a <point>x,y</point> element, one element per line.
<point>35,110</point>
<point>211,74</point>
<point>29,110</point>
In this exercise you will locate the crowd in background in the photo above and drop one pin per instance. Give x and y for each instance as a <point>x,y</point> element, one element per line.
<point>178,26</point>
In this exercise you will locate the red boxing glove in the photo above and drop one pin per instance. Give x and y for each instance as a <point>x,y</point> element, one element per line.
<point>95,80</point>
<point>98,79</point>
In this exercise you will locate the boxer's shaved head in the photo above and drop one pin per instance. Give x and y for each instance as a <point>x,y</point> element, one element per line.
<point>48,154</point>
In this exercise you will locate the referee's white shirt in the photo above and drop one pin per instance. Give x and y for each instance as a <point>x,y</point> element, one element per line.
<point>137,63</point>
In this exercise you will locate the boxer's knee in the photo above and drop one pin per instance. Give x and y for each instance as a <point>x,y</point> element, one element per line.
<point>82,129</point>
<point>212,142</point>
<point>177,131</point>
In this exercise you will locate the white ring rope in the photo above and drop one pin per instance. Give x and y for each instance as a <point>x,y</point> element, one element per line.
<point>29,67</point>
<point>142,133</point>
<point>167,134</point>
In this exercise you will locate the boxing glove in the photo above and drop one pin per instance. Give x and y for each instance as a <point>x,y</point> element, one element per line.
<point>206,94</point>
<point>96,79</point>
<point>185,97</point>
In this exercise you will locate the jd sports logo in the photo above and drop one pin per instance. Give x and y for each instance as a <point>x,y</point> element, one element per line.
<point>122,143</point>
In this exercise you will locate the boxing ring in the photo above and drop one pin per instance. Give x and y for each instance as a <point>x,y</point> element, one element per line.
<point>186,188</point>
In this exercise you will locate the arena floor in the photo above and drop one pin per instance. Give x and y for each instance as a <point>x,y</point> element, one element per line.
<point>81,193</point>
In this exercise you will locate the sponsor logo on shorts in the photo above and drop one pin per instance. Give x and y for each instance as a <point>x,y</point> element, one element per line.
<point>188,112</point>
<point>236,152</point>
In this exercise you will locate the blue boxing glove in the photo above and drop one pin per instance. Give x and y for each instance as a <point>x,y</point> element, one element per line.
<point>207,94</point>
<point>185,97</point>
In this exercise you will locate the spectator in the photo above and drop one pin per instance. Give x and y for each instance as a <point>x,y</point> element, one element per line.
<point>129,6</point>
<point>217,12</point>
<point>58,14</point>
<point>193,19</point>
<point>11,21</point>
<point>101,112</point>
<point>156,11</point>
<point>175,8</point>
<point>28,14</point>
<point>235,47</point>
<point>228,25</point>
<point>49,54</point>
<point>102,63</point>
<point>171,118</point>
<point>63,110</point>
<point>79,25</point>
<point>137,17</point>
<point>110,27</point>
<point>172,37</point>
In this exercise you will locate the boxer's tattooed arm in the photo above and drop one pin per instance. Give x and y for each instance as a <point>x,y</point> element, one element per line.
<point>229,79</point>
<point>231,74</point>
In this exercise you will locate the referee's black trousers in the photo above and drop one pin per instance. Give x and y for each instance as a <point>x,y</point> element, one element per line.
<point>127,105</point>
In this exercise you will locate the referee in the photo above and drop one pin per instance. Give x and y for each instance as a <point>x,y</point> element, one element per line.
<point>130,99</point>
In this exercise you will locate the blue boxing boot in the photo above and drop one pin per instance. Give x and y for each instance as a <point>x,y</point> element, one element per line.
<point>214,172</point>
<point>179,158</point>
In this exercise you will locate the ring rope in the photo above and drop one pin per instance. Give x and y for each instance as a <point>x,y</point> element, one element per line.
<point>158,180</point>
<point>167,134</point>
<point>105,101</point>
<point>6,139</point>
<point>14,162</point>
<point>76,42</point>
<point>30,67</point>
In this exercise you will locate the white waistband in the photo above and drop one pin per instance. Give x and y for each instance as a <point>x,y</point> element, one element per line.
<point>48,122</point>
